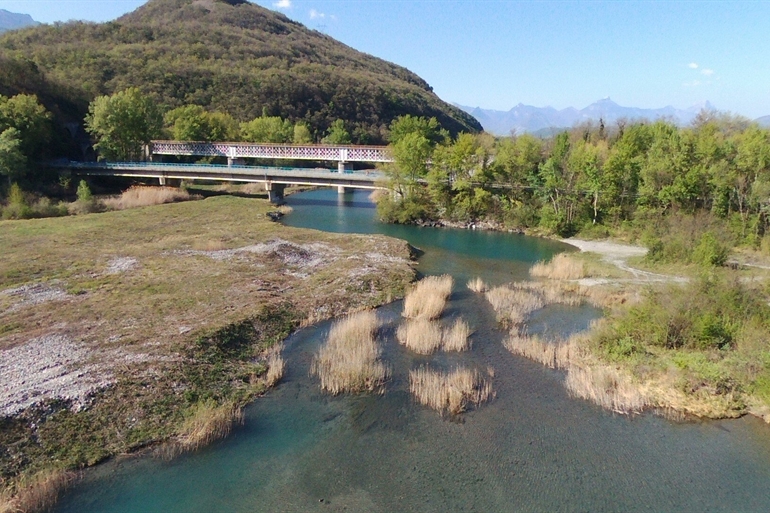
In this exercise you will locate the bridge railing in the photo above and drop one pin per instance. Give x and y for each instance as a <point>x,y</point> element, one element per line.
<point>337,153</point>
<point>225,169</point>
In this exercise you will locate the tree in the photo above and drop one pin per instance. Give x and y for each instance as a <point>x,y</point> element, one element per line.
<point>267,129</point>
<point>12,160</point>
<point>302,134</point>
<point>188,123</point>
<point>123,123</point>
<point>428,128</point>
<point>337,134</point>
<point>223,127</point>
<point>33,122</point>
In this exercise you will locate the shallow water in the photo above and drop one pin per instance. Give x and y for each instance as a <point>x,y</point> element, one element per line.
<point>532,448</point>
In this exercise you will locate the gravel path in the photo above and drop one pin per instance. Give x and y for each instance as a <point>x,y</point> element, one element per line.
<point>618,255</point>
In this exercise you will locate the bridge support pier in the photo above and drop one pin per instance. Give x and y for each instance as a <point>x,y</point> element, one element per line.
<point>162,180</point>
<point>342,167</point>
<point>275,192</point>
<point>235,162</point>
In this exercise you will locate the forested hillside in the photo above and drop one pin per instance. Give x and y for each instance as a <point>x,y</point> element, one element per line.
<point>225,55</point>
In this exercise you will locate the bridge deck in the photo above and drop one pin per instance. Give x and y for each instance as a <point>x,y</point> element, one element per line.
<point>288,176</point>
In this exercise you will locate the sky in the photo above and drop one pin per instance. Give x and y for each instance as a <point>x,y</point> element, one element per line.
<point>498,53</point>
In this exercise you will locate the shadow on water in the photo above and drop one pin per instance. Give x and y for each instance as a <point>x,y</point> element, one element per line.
<point>532,448</point>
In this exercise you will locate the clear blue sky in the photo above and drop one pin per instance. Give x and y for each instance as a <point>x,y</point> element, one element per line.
<point>498,53</point>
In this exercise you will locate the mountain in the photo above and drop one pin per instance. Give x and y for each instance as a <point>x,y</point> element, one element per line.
<point>763,121</point>
<point>526,118</point>
<point>12,21</point>
<point>227,55</point>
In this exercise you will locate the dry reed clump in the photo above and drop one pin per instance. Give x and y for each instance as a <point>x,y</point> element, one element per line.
<point>477,285</point>
<point>209,422</point>
<point>426,337</point>
<point>514,304</point>
<point>143,196</point>
<point>428,297</point>
<point>561,267</point>
<point>349,361</point>
<point>275,366</point>
<point>420,335</point>
<point>38,492</point>
<point>451,392</point>
<point>456,338</point>
<point>606,387</point>
<point>553,355</point>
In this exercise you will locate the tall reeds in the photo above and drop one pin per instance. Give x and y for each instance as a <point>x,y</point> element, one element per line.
<point>208,422</point>
<point>477,285</point>
<point>275,366</point>
<point>553,355</point>
<point>561,267</point>
<point>350,359</point>
<point>514,304</point>
<point>420,335</point>
<point>457,337</point>
<point>142,196</point>
<point>450,392</point>
<point>36,493</point>
<point>428,297</point>
<point>426,337</point>
<point>606,387</point>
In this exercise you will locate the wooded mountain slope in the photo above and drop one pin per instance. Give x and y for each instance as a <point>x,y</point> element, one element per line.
<point>228,55</point>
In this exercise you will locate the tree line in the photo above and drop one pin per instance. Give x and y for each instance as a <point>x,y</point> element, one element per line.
<point>589,179</point>
<point>123,123</point>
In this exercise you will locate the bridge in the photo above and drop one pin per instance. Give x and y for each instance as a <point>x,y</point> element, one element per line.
<point>236,152</point>
<point>275,178</point>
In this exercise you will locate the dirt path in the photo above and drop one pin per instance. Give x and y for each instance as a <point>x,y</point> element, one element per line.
<point>618,255</point>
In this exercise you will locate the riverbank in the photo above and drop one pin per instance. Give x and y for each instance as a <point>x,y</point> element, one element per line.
<point>117,329</point>
<point>692,343</point>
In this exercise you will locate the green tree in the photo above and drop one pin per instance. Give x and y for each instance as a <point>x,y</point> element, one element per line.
<point>123,123</point>
<point>410,155</point>
<point>188,123</point>
<point>337,134</point>
<point>267,129</point>
<point>428,128</point>
<point>12,160</point>
<point>33,122</point>
<point>223,127</point>
<point>302,134</point>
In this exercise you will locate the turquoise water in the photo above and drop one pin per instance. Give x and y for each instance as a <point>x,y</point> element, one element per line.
<point>532,448</point>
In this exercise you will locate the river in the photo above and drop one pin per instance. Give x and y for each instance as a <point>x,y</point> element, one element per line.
<point>533,448</point>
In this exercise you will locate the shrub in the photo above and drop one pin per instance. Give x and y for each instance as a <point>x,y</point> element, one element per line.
<point>86,203</point>
<point>710,252</point>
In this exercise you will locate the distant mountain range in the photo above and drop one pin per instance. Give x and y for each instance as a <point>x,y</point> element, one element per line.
<point>544,120</point>
<point>764,121</point>
<point>12,21</point>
